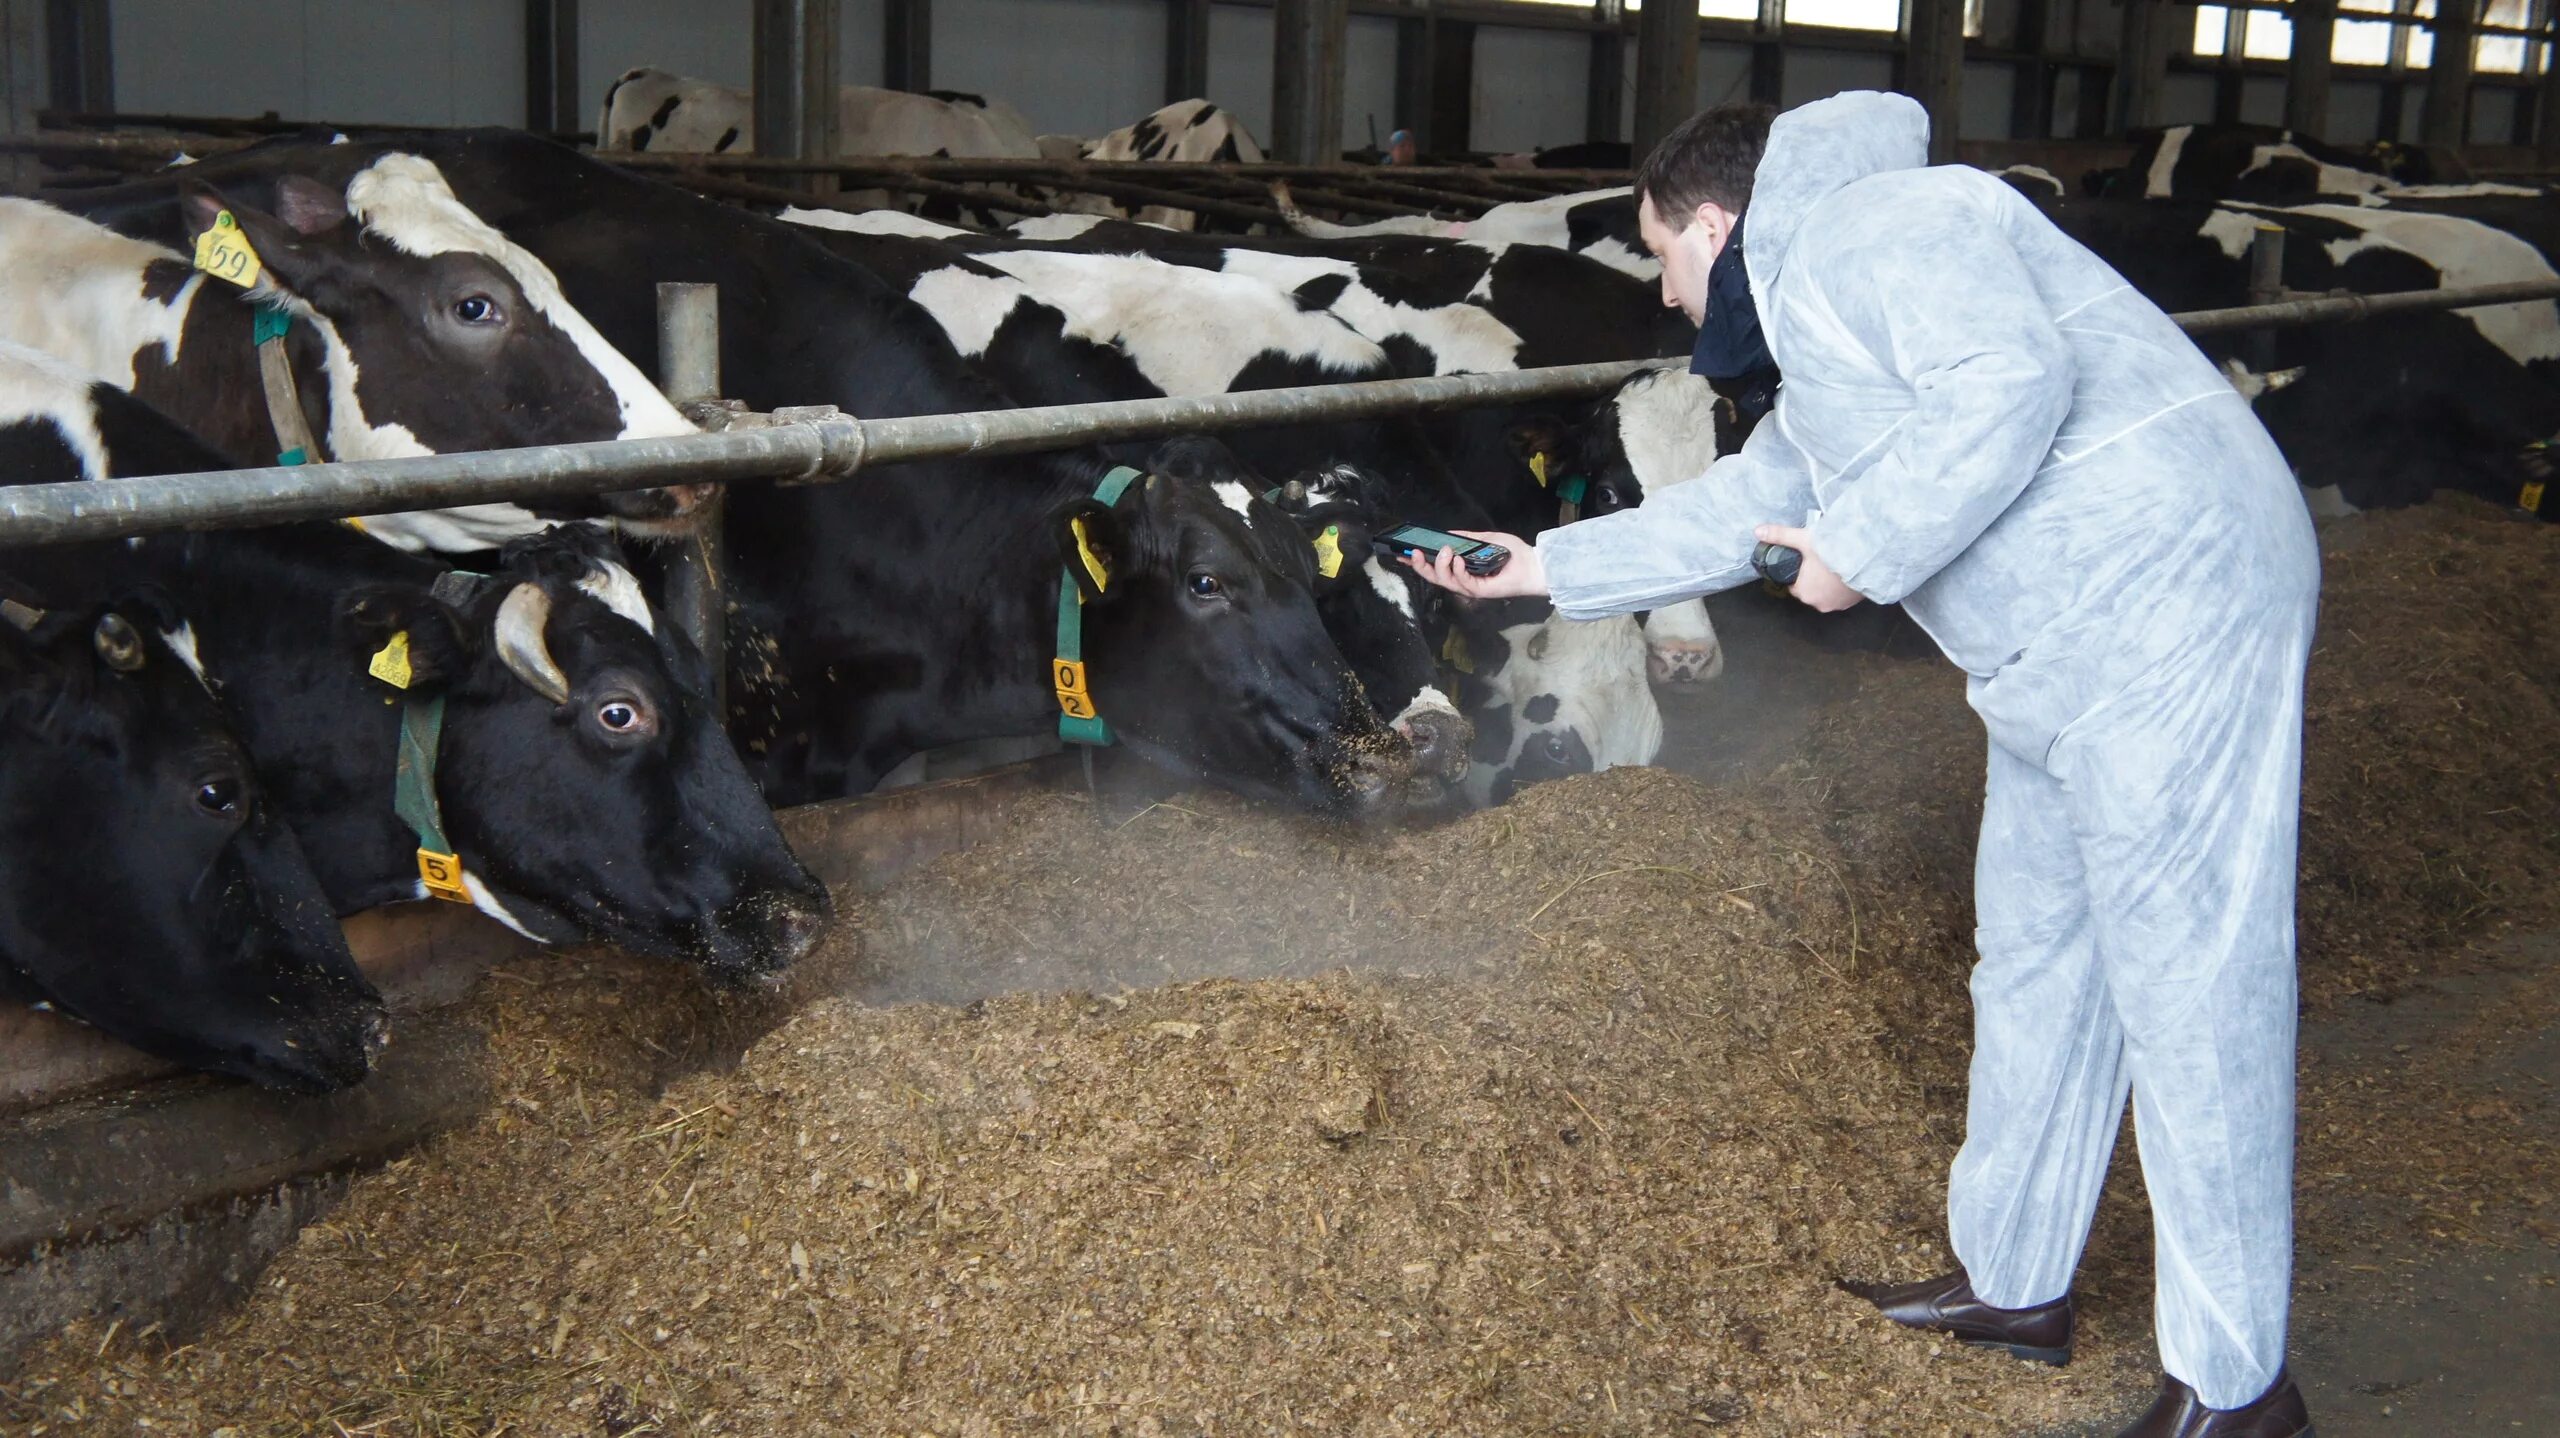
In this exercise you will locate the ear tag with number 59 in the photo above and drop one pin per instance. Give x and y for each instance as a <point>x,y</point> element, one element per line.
<point>224,252</point>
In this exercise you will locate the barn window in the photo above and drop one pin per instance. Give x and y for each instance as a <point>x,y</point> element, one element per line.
<point>2267,35</point>
<point>2503,54</point>
<point>1884,15</point>
<point>2362,42</point>
<point>2422,43</point>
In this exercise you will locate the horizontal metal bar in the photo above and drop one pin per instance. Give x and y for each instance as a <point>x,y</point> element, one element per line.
<point>824,450</point>
<point>803,451</point>
<point>2325,309</point>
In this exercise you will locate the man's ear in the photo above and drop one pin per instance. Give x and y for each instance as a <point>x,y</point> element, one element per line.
<point>406,637</point>
<point>1093,544</point>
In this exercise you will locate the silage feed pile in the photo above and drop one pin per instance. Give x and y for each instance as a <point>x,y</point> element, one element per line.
<point>1562,1118</point>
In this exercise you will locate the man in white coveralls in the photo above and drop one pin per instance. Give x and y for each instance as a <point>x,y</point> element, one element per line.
<point>1981,421</point>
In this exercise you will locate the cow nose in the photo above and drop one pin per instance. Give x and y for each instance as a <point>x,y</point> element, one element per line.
<point>802,923</point>
<point>1373,780</point>
<point>1440,742</point>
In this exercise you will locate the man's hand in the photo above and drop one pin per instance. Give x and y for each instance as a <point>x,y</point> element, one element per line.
<point>1523,574</point>
<point>1815,583</point>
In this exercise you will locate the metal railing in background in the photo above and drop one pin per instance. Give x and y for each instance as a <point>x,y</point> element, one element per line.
<point>821,446</point>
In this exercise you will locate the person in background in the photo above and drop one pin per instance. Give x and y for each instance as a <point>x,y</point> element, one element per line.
<point>1400,148</point>
<point>1979,420</point>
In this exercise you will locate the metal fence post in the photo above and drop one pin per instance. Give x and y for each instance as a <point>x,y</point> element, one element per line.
<point>2266,286</point>
<point>689,368</point>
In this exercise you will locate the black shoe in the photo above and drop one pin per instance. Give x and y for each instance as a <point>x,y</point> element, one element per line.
<point>2178,1413</point>
<point>1946,1304</point>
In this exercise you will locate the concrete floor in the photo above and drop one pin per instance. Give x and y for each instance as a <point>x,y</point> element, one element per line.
<point>2386,1341</point>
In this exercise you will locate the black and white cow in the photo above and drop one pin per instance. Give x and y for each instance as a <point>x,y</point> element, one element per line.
<point>1185,132</point>
<point>582,776</point>
<point>151,889</point>
<point>416,329</point>
<point>1598,223</point>
<point>919,608</point>
<point>663,112</point>
<point>2381,413</point>
<point>1066,327</point>
<point>2261,163</point>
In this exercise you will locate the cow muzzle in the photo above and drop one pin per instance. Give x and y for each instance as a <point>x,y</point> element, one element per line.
<point>762,935</point>
<point>671,512</point>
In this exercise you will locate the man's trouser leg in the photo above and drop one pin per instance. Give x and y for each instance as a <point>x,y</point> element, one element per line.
<point>2047,1088</point>
<point>2185,790</point>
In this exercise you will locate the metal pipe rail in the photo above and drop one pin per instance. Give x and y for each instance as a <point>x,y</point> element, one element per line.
<point>823,450</point>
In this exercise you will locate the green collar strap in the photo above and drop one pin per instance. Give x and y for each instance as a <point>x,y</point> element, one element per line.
<point>1078,721</point>
<point>413,785</point>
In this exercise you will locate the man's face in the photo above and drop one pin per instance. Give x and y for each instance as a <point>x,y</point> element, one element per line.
<point>1686,254</point>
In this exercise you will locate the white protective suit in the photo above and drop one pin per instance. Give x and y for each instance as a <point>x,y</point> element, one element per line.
<point>1982,421</point>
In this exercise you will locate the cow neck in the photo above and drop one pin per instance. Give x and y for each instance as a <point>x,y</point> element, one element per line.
<point>413,784</point>
<point>235,345</point>
<point>1079,722</point>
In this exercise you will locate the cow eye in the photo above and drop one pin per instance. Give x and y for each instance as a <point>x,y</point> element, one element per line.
<point>1557,744</point>
<point>219,797</point>
<point>477,310</point>
<point>625,717</point>
<point>1206,585</point>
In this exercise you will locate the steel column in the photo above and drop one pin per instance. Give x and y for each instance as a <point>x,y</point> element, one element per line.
<point>1186,50</point>
<point>2446,119</point>
<point>551,67</point>
<point>1666,71</point>
<point>689,365</point>
<point>1769,53</point>
<point>1604,110</point>
<point>2142,63</point>
<point>1935,70</point>
<point>2306,73</point>
<point>906,45</point>
<point>2547,116</point>
<point>2031,85</point>
<point>22,87</point>
<point>1417,54</point>
<point>80,58</point>
<point>1309,38</point>
<point>795,80</point>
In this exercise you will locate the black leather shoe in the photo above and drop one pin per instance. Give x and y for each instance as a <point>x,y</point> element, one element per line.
<point>1947,1304</point>
<point>2178,1413</point>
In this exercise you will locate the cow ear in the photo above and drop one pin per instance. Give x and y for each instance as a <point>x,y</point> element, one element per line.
<point>285,252</point>
<point>1093,544</point>
<point>406,637</point>
<point>1544,444</point>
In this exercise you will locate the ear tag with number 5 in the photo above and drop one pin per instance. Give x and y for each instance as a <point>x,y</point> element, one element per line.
<point>224,252</point>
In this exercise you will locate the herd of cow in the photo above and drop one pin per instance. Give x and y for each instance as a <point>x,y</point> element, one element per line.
<point>216,743</point>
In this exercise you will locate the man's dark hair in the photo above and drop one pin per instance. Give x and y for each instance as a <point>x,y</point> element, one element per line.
<point>1708,159</point>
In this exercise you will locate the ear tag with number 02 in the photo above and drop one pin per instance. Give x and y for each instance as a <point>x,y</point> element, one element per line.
<point>224,252</point>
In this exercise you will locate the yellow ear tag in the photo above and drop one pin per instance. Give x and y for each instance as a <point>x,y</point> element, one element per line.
<point>1538,467</point>
<point>224,253</point>
<point>2530,501</point>
<point>1329,551</point>
<point>1096,567</point>
<point>441,874</point>
<point>1453,652</point>
<point>391,662</point>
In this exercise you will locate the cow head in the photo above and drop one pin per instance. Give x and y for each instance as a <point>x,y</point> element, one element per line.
<point>1204,647</point>
<point>1551,696</point>
<point>583,775</point>
<point>439,334</point>
<point>149,892</point>
<point>1575,465</point>
<point>1377,614</point>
